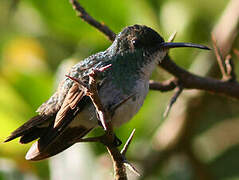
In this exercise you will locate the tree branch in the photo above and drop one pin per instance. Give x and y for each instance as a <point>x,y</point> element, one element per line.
<point>231,75</point>
<point>219,58</point>
<point>90,20</point>
<point>192,81</point>
<point>179,90</point>
<point>188,80</point>
<point>165,86</point>
<point>108,139</point>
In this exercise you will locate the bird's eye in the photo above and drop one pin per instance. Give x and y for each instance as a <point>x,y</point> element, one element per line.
<point>136,43</point>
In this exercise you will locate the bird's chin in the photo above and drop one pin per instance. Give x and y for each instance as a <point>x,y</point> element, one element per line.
<point>159,56</point>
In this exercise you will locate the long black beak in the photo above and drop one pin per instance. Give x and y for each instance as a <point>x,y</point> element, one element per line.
<point>176,45</point>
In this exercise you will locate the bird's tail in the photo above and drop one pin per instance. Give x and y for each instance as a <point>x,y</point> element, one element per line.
<point>51,141</point>
<point>42,149</point>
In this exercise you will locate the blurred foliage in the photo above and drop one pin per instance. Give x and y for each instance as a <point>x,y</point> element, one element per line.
<point>38,36</point>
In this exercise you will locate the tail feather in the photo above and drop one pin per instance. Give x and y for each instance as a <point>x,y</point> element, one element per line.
<point>57,139</point>
<point>39,150</point>
<point>32,135</point>
<point>51,140</point>
<point>31,128</point>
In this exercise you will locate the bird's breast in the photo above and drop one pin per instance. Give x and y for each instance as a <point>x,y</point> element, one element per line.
<point>124,105</point>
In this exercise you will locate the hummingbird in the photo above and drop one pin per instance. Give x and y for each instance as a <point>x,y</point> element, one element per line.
<point>69,114</point>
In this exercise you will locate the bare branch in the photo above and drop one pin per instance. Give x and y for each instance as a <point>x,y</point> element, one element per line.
<point>172,36</point>
<point>178,91</point>
<point>124,151</point>
<point>90,20</point>
<point>126,146</point>
<point>91,91</point>
<point>78,81</point>
<point>104,115</point>
<point>192,81</point>
<point>230,68</point>
<point>163,86</point>
<point>219,57</point>
<point>131,168</point>
<point>118,161</point>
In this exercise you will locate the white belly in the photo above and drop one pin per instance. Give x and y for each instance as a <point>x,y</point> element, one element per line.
<point>122,114</point>
<point>128,109</point>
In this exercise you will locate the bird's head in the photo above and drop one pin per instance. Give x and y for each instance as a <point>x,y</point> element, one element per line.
<point>140,37</point>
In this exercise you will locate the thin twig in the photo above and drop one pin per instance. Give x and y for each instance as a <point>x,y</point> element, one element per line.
<point>165,86</point>
<point>177,93</point>
<point>126,146</point>
<point>90,20</point>
<point>104,115</point>
<point>118,162</point>
<point>91,90</point>
<point>230,68</point>
<point>78,81</point>
<point>124,151</point>
<point>131,168</point>
<point>119,158</point>
<point>219,58</point>
<point>172,36</point>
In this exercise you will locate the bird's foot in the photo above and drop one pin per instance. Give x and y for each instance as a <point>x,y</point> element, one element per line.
<point>117,142</point>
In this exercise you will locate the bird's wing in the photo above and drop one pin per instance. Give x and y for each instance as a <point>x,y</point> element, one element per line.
<point>70,102</point>
<point>52,130</point>
<point>49,112</point>
<point>60,135</point>
<point>32,129</point>
<point>40,124</point>
<point>51,126</point>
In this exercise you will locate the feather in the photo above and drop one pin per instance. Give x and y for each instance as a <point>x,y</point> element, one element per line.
<point>32,135</point>
<point>37,122</point>
<point>57,138</point>
<point>39,151</point>
<point>71,100</point>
